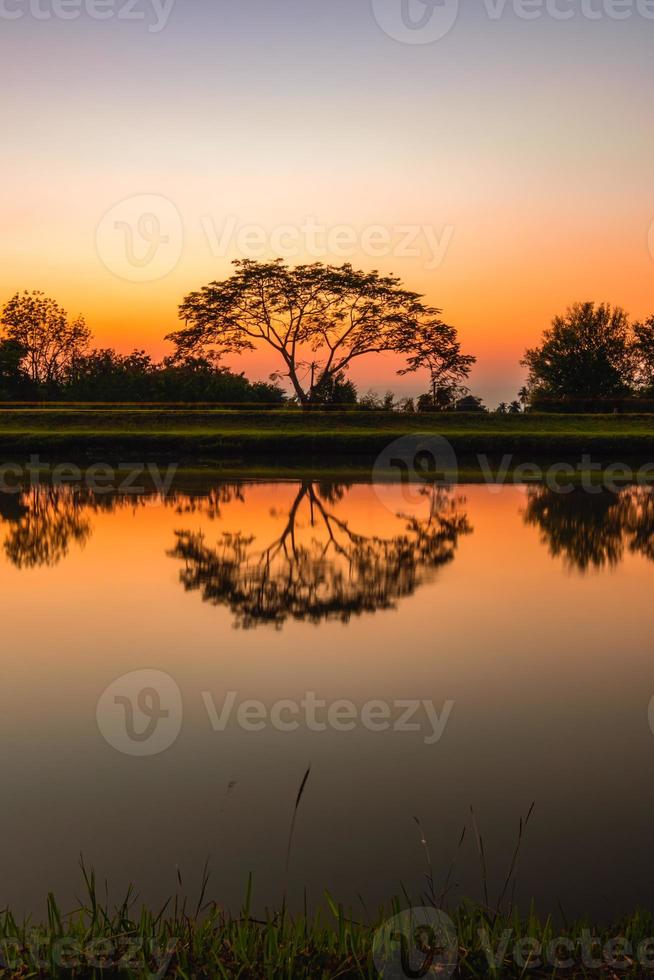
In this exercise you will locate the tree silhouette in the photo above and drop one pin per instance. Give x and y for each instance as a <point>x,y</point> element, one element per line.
<point>50,340</point>
<point>593,530</point>
<point>644,354</point>
<point>586,353</point>
<point>319,568</point>
<point>318,319</point>
<point>209,503</point>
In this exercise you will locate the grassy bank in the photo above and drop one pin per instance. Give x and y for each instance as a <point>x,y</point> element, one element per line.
<point>214,435</point>
<point>204,942</point>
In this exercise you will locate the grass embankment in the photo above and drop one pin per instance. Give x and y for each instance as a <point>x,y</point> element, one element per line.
<point>212,435</point>
<point>203,942</point>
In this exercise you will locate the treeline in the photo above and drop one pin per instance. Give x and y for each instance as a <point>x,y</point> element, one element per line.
<point>46,357</point>
<point>317,320</point>
<point>107,376</point>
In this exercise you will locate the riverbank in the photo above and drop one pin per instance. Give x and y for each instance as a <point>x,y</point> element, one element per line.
<point>214,435</point>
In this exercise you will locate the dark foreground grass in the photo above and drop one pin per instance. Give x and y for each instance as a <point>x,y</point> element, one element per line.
<point>203,941</point>
<point>211,435</point>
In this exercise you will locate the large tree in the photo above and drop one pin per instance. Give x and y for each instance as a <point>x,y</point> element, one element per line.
<point>587,353</point>
<point>50,339</point>
<point>318,319</point>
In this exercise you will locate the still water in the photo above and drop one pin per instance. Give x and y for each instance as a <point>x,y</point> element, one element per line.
<point>508,629</point>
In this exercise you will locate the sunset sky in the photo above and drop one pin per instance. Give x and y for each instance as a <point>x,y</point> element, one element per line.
<point>524,147</point>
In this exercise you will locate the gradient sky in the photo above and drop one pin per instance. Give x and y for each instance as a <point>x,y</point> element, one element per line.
<point>528,142</point>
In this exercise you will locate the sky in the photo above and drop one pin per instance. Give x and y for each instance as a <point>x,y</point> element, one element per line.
<point>496,155</point>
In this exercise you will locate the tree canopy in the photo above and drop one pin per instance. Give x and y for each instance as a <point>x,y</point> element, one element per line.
<point>50,340</point>
<point>318,319</point>
<point>587,353</point>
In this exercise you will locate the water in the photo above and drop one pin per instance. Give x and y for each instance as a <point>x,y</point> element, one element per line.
<point>522,617</point>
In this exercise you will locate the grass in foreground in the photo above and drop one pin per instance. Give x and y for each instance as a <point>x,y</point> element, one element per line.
<point>204,942</point>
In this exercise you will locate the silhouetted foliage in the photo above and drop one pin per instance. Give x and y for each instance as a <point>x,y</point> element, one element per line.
<point>644,356</point>
<point>106,376</point>
<point>372,402</point>
<point>469,403</point>
<point>45,356</point>
<point>335,391</point>
<point>319,567</point>
<point>317,319</point>
<point>593,530</point>
<point>45,521</point>
<point>51,341</point>
<point>14,380</point>
<point>440,400</point>
<point>588,353</point>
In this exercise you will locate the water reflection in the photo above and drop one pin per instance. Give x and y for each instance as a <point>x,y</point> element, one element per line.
<point>321,565</point>
<point>555,712</point>
<point>593,530</point>
<point>319,558</point>
<point>45,521</point>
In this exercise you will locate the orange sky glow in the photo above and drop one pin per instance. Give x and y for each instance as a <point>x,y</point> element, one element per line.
<point>519,152</point>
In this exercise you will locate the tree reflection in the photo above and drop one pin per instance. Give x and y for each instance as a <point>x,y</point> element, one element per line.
<point>320,567</point>
<point>593,530</point>
<point>46,521</point>
<point>209,504</point>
